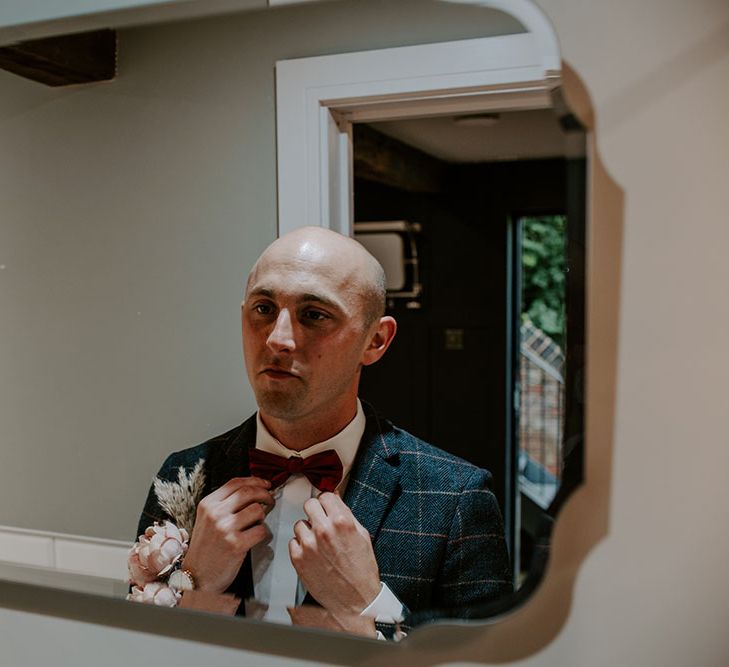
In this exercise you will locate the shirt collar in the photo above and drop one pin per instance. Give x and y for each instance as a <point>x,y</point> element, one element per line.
<point>345,443</point>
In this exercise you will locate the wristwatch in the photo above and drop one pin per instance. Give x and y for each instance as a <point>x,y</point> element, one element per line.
<point>182,580</point>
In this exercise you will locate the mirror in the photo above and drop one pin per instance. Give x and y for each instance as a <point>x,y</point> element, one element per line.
<point>133,213</point>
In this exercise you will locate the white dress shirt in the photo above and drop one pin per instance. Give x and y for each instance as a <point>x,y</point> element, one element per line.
<point>275,582</point>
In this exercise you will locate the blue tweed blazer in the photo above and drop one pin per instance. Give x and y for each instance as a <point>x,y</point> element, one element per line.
<point>436,528</point>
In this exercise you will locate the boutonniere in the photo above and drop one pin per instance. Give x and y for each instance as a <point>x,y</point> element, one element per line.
<point>157,552</point>
<point>179,499</point>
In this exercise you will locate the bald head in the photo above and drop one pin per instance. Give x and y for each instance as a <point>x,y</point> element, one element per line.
<point>312,318</point>
<point>341,259</point>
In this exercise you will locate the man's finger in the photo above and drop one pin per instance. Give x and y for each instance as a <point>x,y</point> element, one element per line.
<point>296,553</point>
<point>235,483</point>
<point>315,512</point>
<point>254,535</point>
<point>333,505</point>
<point>247,495</point>
<point>303,534</point>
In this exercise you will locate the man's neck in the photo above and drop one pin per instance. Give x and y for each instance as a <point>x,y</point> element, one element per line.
<point>299,434</point>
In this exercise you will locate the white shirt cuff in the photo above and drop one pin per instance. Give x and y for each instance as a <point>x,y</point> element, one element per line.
<point>385,608</point>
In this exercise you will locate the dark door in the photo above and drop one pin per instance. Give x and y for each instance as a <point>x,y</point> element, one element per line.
<point>447,378</point>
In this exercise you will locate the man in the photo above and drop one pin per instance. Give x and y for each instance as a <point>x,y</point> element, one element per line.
<point>314,498</point>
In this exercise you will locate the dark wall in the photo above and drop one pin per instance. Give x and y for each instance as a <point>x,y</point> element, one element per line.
<point>457,398</point>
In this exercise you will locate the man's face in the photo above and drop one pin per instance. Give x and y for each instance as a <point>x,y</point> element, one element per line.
<point>303,332</point>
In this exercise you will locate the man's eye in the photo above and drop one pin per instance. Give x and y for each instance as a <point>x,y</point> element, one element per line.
<point>262,308</point>
<point>315,315</point>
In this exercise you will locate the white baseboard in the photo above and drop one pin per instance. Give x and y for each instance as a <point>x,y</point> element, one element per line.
<point>67,553</point>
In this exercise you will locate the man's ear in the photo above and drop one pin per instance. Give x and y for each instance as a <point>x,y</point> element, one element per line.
<point>379,340</point>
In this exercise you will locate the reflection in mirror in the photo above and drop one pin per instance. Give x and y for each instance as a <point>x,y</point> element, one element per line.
<point>472,238</point>
<point>317,498</point>
<point>479,222</point>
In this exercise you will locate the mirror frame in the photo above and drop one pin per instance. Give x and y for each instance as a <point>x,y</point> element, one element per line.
<point>316,645</point>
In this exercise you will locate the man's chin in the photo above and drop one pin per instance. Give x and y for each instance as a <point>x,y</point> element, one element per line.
<point>279,406</point>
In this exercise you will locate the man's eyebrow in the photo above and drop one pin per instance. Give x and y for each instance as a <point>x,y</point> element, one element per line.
<point>261,291</point>
<point>306,297</point>
<point>309,297</point>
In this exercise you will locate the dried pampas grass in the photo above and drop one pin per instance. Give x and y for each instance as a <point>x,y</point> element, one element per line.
<point>179,499</point>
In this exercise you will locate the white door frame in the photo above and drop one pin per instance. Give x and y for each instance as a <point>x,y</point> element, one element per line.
<point>318,99</point>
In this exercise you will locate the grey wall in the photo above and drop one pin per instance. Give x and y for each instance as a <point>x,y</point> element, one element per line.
<point>131,213</point>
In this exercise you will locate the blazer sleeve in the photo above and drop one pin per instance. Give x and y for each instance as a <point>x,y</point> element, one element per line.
<point>475,569</point>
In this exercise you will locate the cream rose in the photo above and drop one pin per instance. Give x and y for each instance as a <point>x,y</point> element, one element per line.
<point>155,592</point>
<point>156,552</point>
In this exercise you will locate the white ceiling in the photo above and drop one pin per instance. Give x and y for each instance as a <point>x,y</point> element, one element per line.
<point>517,135</point>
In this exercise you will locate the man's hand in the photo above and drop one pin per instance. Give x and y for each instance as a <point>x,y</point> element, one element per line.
<point>332,554</point>
<point>310,616</point>
<point>228,523</point>
<point>214,603</point>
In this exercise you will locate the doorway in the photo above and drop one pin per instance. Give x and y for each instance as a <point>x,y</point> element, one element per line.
<point>462,184</point>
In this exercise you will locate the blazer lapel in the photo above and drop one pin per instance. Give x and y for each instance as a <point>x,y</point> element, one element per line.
<point>373,482</point>
<point>231,459</point>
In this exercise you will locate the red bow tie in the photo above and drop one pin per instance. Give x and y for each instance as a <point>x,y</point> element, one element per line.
<point>323,470</point>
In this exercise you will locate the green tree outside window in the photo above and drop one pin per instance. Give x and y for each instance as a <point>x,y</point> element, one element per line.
<point>543,274</point>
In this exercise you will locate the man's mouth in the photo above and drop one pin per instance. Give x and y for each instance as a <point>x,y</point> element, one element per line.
<point>277,373</point>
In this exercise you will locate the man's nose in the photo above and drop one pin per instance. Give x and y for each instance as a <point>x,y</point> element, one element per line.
<point>281,337</point>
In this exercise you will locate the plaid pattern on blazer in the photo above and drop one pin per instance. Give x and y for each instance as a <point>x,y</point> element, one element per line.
<point>436,527</point>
